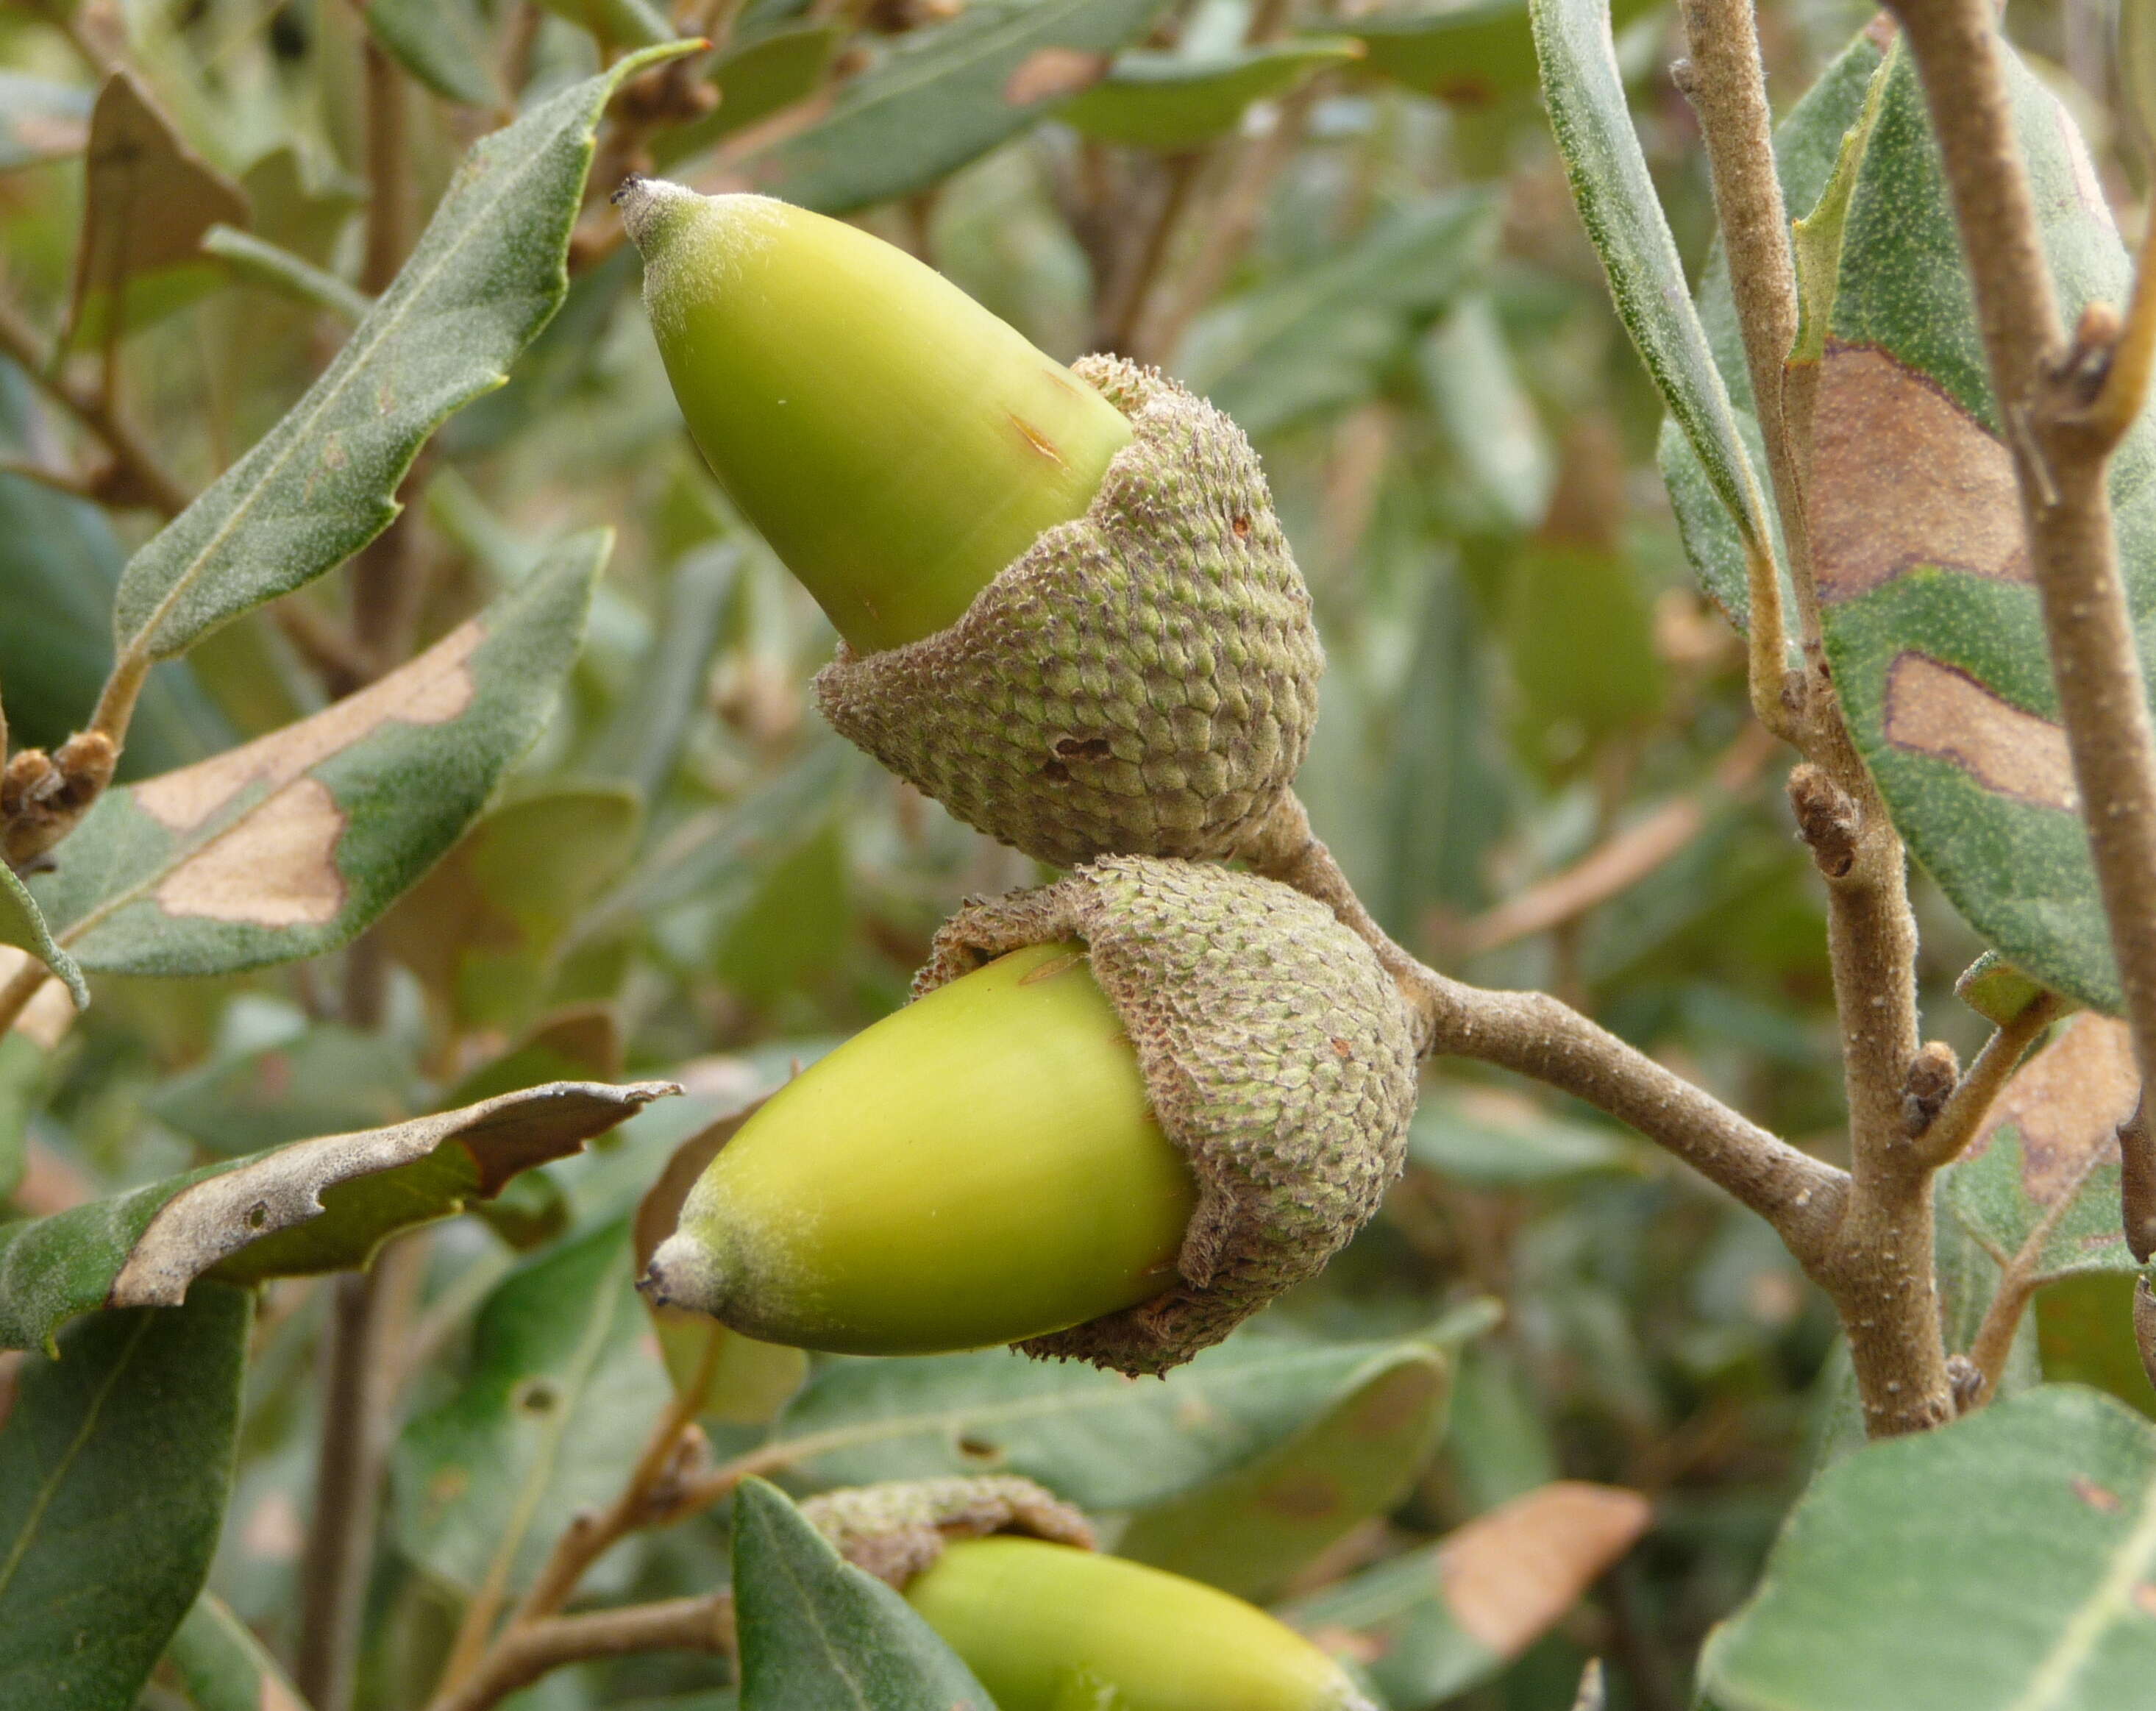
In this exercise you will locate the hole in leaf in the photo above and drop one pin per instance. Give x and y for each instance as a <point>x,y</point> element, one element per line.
<point>258,1214</point>
<point>976,1450</point>
<point>538,1396</point>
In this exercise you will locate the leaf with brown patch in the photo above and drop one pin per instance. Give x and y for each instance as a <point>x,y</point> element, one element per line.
<point>1438,1620</point>
<point>2046,1164</point>
<point>316,1205</point>
<point>288,846</point>
<point>149,198</point>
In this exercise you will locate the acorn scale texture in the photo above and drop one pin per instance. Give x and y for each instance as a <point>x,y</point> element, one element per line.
<point>898,1529</point>
<point>1142,680</point>
<point>1278,1057</point>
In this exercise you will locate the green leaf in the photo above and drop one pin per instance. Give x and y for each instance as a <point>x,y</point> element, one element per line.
<point>1325,335</point>
<point>487,274</point>
<point>1492,1137</point>
<point>1438,1621</point>
<point>442,43</point>
<point>23,925</point>
<point>560,1395</point>
<point>1250,1531</point>
<point>26,1065</point>
<point>1995,990</point>
<point>318,1205</point>
<point>1995,1563</point>
<point>114,1466</point>
<point>2085,1335</point>
<point>1581,639</point>
<point>289,846</point>
<point>1093,1438</point>
<point>1624,217</point>
<point>222,1666</point>
<point>945,96</point>
<point>1933,629</point>
<point>40,120</point>
<point>2044,1165</point>
<point>616,23</point>
<point>330,1080</point>
<point>148,200</point>
<point>817,1634</point>
<point>1174,102</point>
<point>1484,410</point>
<point>481,931</point>
<point>1808,145</point>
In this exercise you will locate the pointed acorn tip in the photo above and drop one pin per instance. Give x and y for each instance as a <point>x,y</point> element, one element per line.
<point>648,204</point>
<point>681,1275</point>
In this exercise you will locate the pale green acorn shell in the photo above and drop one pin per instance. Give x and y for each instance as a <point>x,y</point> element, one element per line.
<point>1278,1056</point>
<point>898,1529</point>
<point>1143,680</point>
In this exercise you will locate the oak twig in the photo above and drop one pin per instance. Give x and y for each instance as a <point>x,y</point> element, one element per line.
<point>1948,1135</point>
<point>530,1652</point>
<point>2021,1276</point>
<point>1534,1034</point>
<point>137,477</point>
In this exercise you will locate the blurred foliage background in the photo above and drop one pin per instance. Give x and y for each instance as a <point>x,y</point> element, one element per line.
<point>1348,226</point>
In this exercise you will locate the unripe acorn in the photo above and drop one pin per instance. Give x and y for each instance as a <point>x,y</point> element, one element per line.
<point>1009,1579</point>
<point>1067,609</point>
<point>1124,1112</point>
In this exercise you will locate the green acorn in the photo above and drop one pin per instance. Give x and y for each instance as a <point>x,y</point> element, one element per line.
<point>1009,1579</point>
<point>1123,1112</point>
<point>1068,611</point>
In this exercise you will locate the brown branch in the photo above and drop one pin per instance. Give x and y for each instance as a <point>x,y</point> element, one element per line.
<point>23,985</point>
<point>1534,1034</point>
<point>359,1365</point>
<point>1123,313</point>
<point>527,1653</point>
<point>1615,866</point>
<point>136,478</point>
<point>2065,420</point>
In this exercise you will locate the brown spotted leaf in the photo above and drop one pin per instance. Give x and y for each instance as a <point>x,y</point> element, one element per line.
<point>314,1206</point>
<point>2006,1563</point>
<point>288,846</point>
<point>947,96</point>
<point>2046,1164</point>
<point>150,199</point>
<point>1438,1620</point>
<point>1932,622</point>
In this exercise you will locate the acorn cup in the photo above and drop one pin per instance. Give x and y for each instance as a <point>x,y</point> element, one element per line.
<point>1124,1111</point>
<point>1067,610</point>
<point>1010,1578</point>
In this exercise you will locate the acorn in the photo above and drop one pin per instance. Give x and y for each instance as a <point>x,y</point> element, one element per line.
<point>1010,1578</point>
<point>1067,610</point>
<point>1123,1112</point>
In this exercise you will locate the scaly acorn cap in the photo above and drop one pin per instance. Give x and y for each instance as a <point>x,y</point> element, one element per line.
<point>897,1529</point>
<point>1276,1053</point>
<point>1010,1578</point>
<point>1142,680</point>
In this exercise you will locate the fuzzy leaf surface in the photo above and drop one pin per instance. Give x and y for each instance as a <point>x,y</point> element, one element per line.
<point>289,846</point>
<point>1623,217</point>
<point>115,1467</point>
<point>318,1205</point>
<point>487,274</point>
<point>817,1634</point>
<point>23,925</point>
<point>1890,1589</point>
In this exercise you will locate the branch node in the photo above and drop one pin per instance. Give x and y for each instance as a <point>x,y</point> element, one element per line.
<point>1965,1378</point>
<point>1827,818</point>
<point>1933,1074</point>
